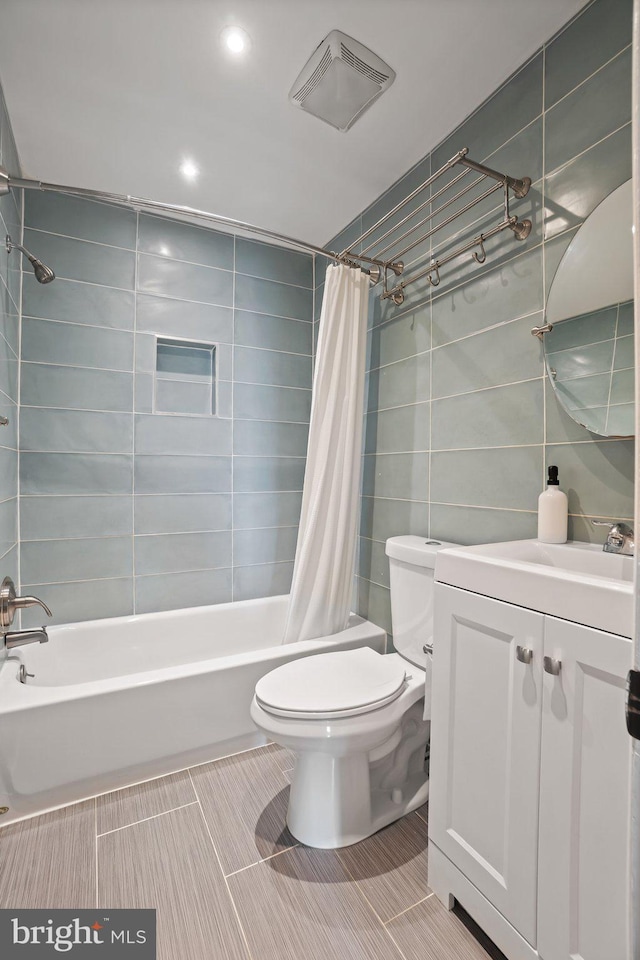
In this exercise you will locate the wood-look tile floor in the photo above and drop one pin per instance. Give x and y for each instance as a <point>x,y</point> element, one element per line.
<point>210,850</point>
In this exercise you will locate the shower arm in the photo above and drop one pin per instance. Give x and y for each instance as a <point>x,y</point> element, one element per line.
<point>7,183</point>
<point>12,245</point>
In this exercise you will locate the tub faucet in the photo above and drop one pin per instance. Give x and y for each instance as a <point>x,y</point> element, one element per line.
<point>10,603</point>
<point>18,638</point>
<point>619,539</point>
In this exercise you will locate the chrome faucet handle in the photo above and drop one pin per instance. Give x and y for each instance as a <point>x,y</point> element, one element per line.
<point>10,603</point>
<point>620,538</point>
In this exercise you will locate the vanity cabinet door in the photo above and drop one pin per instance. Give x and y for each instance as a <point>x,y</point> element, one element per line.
<point>584,797</point>
<point>485,747</point>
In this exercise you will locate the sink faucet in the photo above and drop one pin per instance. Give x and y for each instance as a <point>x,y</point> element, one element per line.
<point>619,539</point>
<point>10,603</point>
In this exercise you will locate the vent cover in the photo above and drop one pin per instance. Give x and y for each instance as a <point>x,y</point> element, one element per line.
<point>340,81</point>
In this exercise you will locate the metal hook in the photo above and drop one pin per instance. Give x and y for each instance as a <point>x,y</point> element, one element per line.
<point>480,258</point>
<point>434,283</point>
<point>539,332</point>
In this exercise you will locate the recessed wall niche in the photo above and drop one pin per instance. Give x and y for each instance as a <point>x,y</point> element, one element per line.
<point>185,377</point>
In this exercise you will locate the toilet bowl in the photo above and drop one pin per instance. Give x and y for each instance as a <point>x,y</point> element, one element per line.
<point>355,719</point>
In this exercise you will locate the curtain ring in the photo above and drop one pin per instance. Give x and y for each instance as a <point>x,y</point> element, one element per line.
<point>480,257</point>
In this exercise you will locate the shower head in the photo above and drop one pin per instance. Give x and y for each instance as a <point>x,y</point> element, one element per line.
<point>44,274</point>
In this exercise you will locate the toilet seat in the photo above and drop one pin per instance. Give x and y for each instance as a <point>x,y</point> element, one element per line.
<point>331,685</point>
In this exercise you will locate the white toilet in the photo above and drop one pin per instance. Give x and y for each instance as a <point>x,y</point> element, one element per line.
<point>354,718</point>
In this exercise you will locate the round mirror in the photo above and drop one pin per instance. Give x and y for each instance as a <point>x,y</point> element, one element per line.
<point>589,353</point>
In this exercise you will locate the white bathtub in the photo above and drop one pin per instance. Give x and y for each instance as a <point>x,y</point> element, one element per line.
<point>115,702</point>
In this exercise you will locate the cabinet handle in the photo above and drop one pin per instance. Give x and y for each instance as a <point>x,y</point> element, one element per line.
<point>552,666</point>
<point>524,654</point>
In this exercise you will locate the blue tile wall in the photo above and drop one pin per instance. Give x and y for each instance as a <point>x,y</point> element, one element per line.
<point>460,422</point>
<point>10,280</point>
<point>125,510</point>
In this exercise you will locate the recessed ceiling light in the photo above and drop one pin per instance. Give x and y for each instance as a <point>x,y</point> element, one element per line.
<point>235,39</point>
<point>189,170</point>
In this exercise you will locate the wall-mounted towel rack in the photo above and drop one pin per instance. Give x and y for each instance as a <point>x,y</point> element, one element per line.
<point>386,256</point>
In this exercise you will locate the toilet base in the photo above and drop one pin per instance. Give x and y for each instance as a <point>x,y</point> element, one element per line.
<point>350,811</point>
<point>338,800</point>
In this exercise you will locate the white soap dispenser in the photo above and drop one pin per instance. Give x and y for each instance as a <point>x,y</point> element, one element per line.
<point>553,511</point>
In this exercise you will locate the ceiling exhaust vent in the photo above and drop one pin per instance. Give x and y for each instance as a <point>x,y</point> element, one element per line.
<point>340,81</point>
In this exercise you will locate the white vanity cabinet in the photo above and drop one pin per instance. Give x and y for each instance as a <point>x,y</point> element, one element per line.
<point>530,778</point>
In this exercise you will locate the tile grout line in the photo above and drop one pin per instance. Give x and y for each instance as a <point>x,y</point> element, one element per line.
<point>19,389</point>
<point>154,816</point>
<point>3,285</point>
<point>369,904</point>
<point>246,383</point>
<point>217,856</point>
<point>96,854</point>
<point>577,156</point>
<point>582,82</point>
<point>233,431</point>
<point>612,367</point>
<point>134,380</point>
<point>163,296</point>
<point>466,336</point>
<point>358,887</point>
<point>157,256</point>
<point>429,459</point>
<point>406,910</point>
<point>257,863</point>
<point>491,386</point>
<point>203,456</point>
<point>394,941</point>
<point>162,533</point>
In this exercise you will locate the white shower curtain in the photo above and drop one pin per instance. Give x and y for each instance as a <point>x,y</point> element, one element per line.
<point>324,565</point>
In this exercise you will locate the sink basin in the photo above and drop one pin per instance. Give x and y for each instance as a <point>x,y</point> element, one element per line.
<point>574,581</point>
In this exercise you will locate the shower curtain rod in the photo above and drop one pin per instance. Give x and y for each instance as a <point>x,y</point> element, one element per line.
<point>8,182</point>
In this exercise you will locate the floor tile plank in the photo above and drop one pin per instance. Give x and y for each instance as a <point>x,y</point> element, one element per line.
<point>285,758</point>
<point>391,866</point>
<point>431,932</point>
<point>169,864</point>
<point>123,807</point>
<point>244,800</point>
<point>49,861</point>
<point>301,904</point>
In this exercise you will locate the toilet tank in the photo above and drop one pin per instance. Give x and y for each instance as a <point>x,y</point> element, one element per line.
<point>412,562</point>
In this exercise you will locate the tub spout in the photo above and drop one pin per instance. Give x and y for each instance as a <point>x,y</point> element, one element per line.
<point>18,638</point>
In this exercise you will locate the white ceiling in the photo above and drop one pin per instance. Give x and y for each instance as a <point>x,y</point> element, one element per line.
<point>114,94</point>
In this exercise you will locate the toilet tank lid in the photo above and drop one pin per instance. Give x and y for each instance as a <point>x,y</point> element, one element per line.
<point>419,551</point>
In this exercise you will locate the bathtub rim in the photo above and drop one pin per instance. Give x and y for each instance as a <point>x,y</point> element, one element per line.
<point>18,696</point>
